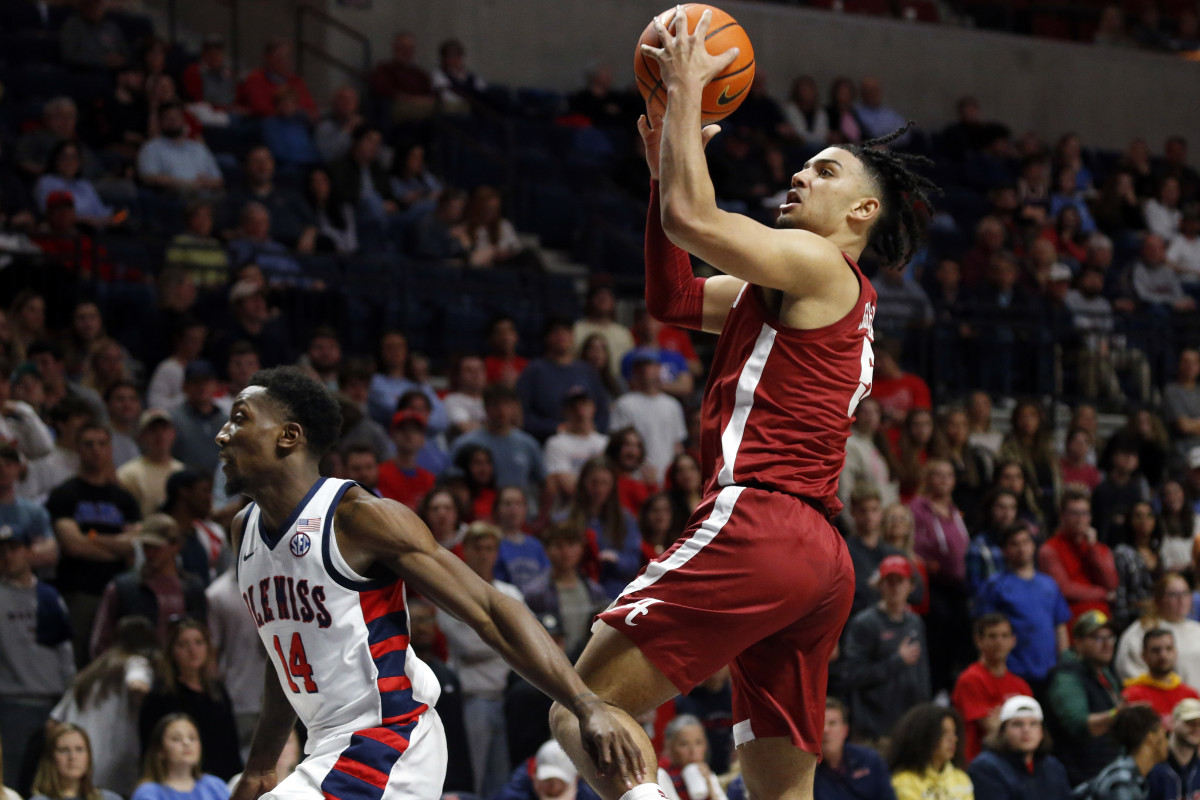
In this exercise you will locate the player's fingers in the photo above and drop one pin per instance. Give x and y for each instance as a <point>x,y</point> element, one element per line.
<point>660,28</point>
<point>656,53</point>
<point>726,58</point>
<point>703,24</point>
<point>680,21</point>
<point>708,132</point>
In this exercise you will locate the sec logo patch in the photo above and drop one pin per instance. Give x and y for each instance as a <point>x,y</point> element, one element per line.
<point>300,544</point>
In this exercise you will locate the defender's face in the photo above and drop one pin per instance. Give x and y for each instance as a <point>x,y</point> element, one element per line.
<point>823,192</point>
<point>247,439</point>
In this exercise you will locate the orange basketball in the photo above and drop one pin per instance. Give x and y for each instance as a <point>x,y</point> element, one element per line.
<point>726,91</point>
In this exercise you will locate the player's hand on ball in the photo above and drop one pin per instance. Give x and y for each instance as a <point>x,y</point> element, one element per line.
<point>683,57</point>
<point>253,785</point>
<point>610,745</point>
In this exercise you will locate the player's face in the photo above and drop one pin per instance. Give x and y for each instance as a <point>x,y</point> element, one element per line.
<point>71,756</point>
<point>181,744</point>
<point>996,642</point>
<point>247,440</point>
<point>1023,734</point>
<point>689,746</point>
<point>823,192</point>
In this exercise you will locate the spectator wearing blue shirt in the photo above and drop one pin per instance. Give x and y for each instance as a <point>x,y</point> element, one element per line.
<point>1034,605</point>
<point>516,456</point>
<point>597,506</point>
<point>847,771</point>
<point>63,174</point>
<point>252,244</point>
<point>392,381</point>
<point>878,119</point>
<point>984,557</point>
<point>1067,194</point>
<point>1179,776</point>
<point>1017,763</point>
<point>288,134</point>
<point>172,765</point>
<point>173,162</point>
<point>522,557</point>
<point>546,381</point>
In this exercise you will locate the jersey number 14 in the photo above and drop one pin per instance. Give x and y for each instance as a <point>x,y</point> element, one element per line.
<point>295,665</point>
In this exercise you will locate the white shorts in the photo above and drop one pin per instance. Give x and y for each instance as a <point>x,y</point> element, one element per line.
<point>393,763</point>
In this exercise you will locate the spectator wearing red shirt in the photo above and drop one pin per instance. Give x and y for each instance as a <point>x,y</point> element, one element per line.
<point>67,245</point>
<point>503,365</point>
<point>636,480</point>
<point>400,80</point>
<point>983,687</point>
<point>896,391</point>
<point>1075,464</point>
<point>1082,567</point>
<point>1160,685</point>
<point>400,479</point>
<point>257,92</point>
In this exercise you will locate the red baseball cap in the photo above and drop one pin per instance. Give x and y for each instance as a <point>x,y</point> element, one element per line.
<point>895,565</point>
<point>59,198</point>
<point>408,415</point>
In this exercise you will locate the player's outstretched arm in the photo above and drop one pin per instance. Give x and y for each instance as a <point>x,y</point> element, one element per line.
<point>382,531</point>
<point>275,724</point>
<point>798,262</point>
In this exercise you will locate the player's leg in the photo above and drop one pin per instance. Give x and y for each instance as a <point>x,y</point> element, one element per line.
<point>614,668</point>
<point>775,769</point>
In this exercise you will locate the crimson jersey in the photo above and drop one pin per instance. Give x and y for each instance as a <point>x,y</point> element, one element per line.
<point>780,400</point>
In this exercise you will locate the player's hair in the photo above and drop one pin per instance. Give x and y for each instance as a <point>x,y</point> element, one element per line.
<point>679,723</point>
<point>154,765</point>
<point>917,735</point>
<point>989,621</point>
<point>1133,724</point>
<point>899,231</point>
<point>306,402</point>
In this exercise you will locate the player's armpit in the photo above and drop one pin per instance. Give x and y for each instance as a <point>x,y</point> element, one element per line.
<point>797,262</point>
<point>719,293</point>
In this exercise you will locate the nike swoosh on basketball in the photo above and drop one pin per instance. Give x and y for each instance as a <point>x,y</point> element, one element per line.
<point>723,99</point>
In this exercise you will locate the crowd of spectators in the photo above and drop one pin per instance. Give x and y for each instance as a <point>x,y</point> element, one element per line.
<point>1012,580</point>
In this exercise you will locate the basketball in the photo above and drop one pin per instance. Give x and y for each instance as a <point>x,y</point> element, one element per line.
<point>726,91</point>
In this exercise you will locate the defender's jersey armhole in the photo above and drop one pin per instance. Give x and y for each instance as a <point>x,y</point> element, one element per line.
<point>335,564</point>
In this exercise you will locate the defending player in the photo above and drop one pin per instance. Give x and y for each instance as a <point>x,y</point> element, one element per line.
<point>760,580</point>
<point>322,567</point>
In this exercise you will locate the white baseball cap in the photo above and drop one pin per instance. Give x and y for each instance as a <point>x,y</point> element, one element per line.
<point>552,762</point>
<point>1019,706</point>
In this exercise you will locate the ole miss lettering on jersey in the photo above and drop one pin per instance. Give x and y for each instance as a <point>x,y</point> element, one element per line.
<point>283,597</point>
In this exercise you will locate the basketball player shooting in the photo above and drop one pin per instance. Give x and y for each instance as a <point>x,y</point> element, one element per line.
<point>323,567</point>
<point>760,580</point>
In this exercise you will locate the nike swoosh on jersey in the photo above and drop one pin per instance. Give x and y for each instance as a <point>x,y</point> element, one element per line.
<point>247,556</point>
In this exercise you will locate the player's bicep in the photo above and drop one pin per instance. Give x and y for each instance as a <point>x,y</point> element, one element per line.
<point>797,262</point>
<point>719,294</point>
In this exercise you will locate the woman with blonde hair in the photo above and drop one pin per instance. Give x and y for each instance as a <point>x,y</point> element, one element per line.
<point>65,769</point>
<point>899,532</point>
<point>171,769</point>
<point>187,684</point>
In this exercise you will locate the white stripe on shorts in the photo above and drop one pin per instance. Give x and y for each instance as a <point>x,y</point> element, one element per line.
<point>722,510</point>
<point>752,371</point>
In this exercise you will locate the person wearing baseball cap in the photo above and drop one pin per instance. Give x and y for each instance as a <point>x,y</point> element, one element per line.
<point>885,655</point>
<point>401,478</point>
<point>548,775</point>
<point>145,477</point>
<point>1179,775</point>
<point>1083,697</point>
<point>1016,764</point>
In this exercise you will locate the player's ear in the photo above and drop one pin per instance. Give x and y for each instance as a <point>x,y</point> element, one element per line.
<point>291,436</point>
<point>866,209</point>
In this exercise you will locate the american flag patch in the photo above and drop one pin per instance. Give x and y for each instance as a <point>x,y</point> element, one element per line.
<point>309,524</point>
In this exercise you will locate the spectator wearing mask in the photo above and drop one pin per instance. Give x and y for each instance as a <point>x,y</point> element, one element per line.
<point>36,659</point>
<point>1140,733</point>
<point>1083,697</point>
<point>156,590</point>
<point>1159,686</point>
<point>1082,566</point>
<point>1017,763</point>
<point>925,754</point>
<point>483,673</point>
<point>1179,775</point>
<point>173,162</point>
<point>982,689</point>
<point>175,754</point>
<point>186,684</point>
<point>1033,604</point>
<point>885,656</point>
<point>145,477</point>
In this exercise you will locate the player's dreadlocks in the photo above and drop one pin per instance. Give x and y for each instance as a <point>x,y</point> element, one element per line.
<point>899,231</point>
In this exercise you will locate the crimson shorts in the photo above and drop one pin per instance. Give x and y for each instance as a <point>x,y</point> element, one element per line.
<point>759,581</point>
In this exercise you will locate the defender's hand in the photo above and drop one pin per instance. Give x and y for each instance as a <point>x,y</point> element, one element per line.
<point>610,744</point>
